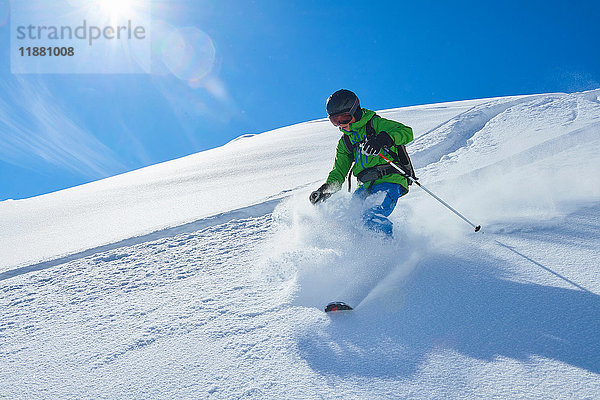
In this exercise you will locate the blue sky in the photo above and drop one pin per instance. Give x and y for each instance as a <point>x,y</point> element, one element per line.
<point>275,63</point>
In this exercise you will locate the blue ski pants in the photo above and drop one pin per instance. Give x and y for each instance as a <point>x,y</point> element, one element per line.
<point>375,217</point>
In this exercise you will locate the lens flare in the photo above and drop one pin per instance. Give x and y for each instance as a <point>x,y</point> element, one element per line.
<point>189,53</point>
<point>160,32</point>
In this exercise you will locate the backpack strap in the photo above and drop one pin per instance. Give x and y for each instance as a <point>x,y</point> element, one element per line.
<point>369,126</point>
<point>351,147</point>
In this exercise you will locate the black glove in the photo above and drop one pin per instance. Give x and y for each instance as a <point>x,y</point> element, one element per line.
<point>321,194</point>
<point>375,143</point>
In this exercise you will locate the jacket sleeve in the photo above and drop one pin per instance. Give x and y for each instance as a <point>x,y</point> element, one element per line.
<point>400,133</point>
<point>341,166</point>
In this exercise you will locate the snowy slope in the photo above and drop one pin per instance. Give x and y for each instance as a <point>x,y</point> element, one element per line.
<point>204,277</point>
<point>243,173</point>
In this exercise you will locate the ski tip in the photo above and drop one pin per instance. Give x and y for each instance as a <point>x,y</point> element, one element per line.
<point>337,306</point>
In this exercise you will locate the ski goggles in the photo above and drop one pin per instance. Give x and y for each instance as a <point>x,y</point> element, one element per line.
<point>345,117</point>
<point>340,119</point>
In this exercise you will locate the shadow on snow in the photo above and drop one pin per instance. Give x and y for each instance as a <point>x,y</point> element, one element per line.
<point>446,305</point>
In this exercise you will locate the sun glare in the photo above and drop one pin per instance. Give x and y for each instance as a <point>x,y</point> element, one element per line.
<point>117,9</point>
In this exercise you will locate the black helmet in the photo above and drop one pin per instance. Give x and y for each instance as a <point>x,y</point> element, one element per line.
<point>344,101</point>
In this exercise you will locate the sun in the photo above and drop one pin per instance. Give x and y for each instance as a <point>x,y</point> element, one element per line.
<point>117,9</point>
<point>114,11</point>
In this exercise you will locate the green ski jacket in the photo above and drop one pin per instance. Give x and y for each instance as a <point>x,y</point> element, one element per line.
<point>400,134</point>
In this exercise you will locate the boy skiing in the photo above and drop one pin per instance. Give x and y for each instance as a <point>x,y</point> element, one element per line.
<point>364,136</point>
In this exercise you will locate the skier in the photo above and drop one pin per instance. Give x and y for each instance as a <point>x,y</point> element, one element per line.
<point>364,136</point>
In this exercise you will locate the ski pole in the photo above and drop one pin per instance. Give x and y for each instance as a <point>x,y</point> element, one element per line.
<point>412,180</point>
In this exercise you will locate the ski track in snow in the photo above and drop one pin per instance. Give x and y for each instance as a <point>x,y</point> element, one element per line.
<point>228,306</point>
<point>458,131</point>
